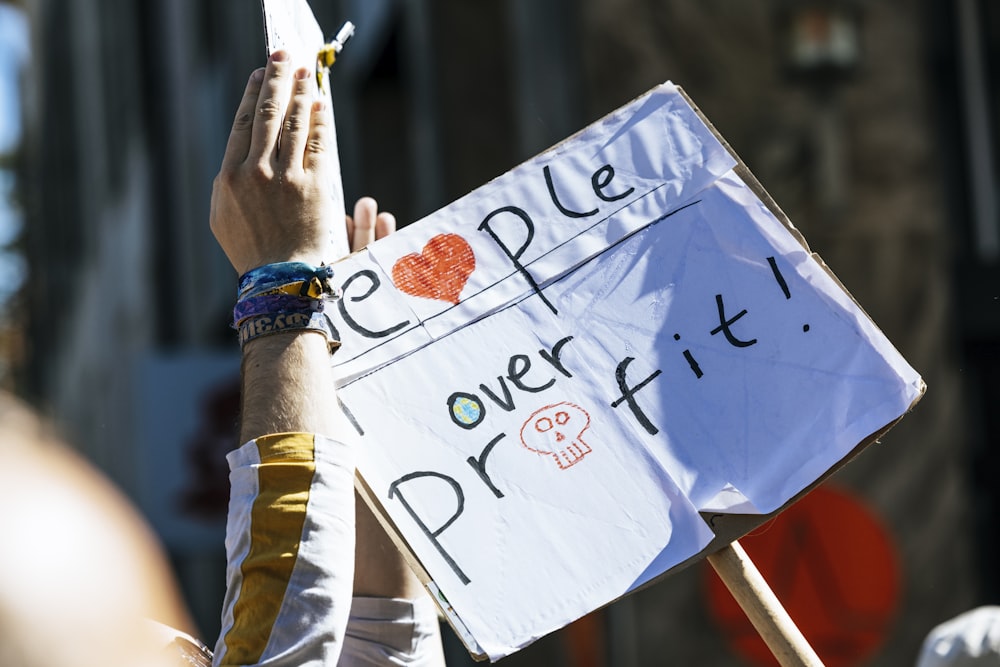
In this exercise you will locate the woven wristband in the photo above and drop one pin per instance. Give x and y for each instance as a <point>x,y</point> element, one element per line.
<point>267,325</point>
<point>296,278</point>
<point>271,304</point>
<point>283,298</point>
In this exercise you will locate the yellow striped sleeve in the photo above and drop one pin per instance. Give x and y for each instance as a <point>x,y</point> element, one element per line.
<point>285,475</point>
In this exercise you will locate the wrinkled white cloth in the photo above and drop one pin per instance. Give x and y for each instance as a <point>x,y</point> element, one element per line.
<point>971,639</point>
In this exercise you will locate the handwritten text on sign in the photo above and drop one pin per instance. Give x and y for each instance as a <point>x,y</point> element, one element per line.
<point>556,373</point>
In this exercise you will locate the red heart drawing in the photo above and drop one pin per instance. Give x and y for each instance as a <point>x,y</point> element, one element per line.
<point>439,271</point>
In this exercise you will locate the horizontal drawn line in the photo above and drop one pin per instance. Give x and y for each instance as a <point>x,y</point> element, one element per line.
<point>558,279</point>
<point>552,281</point>
<point>548,252</point>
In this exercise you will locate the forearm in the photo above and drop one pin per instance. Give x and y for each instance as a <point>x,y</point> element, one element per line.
<point>380,569</point>
<point>288,386</point>
<point>289,581</point>
<point>290,530</point>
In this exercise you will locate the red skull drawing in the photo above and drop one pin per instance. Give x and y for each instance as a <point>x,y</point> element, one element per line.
<point>557,431</point>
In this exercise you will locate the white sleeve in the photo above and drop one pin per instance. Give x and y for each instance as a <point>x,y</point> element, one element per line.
<point>385,631</point>
<point>971,638</point>
<point>289,552</point>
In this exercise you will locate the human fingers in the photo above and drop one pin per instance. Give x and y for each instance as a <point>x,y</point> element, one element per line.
<point>320,140</point>
<point>295,131</point>
<point>239,136</point>
<point>363,228</point>
<point>385,224</point>
<point>270,108</point>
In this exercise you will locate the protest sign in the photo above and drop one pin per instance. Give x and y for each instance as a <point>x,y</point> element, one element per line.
<point>289,25</point>
<point>556,377</point>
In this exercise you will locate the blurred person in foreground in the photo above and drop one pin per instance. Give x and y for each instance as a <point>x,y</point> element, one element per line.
<point>80,572</point>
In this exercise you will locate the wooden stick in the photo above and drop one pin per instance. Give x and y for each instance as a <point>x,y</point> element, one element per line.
<point>762,607</point>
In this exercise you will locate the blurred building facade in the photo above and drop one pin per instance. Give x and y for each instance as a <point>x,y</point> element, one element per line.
<point>889,170</point>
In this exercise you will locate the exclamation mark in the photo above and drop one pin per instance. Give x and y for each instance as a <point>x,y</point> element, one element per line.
<point>782,284</point>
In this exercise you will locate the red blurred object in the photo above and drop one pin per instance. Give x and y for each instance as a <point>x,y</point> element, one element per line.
<point>584,641</point>
<point>833,566</point>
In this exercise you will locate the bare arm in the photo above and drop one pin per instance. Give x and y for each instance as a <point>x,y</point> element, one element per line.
<point>291,498</point>
<point>273,202</point>
<point>286,387</point>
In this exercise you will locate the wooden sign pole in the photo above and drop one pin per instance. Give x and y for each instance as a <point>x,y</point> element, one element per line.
<point>762,607</point>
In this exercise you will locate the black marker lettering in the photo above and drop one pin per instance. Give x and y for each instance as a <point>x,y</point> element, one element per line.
<point>628,395</point>
<point>433,535</point>
<point>466,410</point>
<point>569,213</point>
<point>517,368</point>
<point>508,401</point>
<point>692,362</point>
<point>351,322</point>
<point>480,465</point>
<point>515,257</point>
<point>695,368</point>
<point>725,324</point>
<point>599,183</point>
<point>553,357</point>
<point>350,417</point>
<point>780,278</point>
